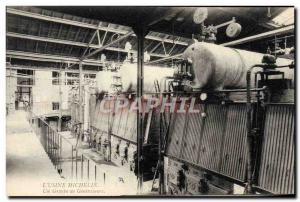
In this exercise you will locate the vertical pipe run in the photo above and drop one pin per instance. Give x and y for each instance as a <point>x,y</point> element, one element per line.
<point>76,163</point>
<point>51,145</point>
<point>104,176</point>
<point>249,188</point>
<point>47,141</point>
<point>81,166</point>
<point>54,149</point>
<point>57,150</point>
<point>60,99</point>
<point>72,162</point>
<point>160,176</point>
<point>88,169</point>
<point>95,173</point>
<point>140,33</point>
<point>80,94</point>
<point>60,153</point>
<point>109,136</point>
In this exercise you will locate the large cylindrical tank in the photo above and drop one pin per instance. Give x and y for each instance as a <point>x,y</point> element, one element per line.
<point>218,67</point>
<point>128,74</point>
<point>105,81</point>
<point>127,77</point>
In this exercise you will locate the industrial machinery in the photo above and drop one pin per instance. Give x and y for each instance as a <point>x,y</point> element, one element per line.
<point>242,134</point>
<point>244,131</point>
<point>208,33</point>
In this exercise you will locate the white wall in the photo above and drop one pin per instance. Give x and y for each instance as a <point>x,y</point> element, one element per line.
<point>44,93</point>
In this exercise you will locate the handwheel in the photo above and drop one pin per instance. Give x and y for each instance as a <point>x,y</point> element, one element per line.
<point>233,30</point>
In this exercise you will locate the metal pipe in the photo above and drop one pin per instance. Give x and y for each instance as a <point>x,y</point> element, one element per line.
<point>47,141</point>
<point>72,161</point>
<point>248,188</point>
<point>60,99</point>
<point>54,150</point>
<point>81,166</point>
<point>160,174</point>
<point>88,169</point>
<point>51,145</point>
<point>80,102</point>
<point>198,92</point>
<point>76,163</point>
<point>60,153</point>
<point>104,178</point>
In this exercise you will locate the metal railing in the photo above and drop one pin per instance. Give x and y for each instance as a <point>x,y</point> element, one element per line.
<point>71,162</point>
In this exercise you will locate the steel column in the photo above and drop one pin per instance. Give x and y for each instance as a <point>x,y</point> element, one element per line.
<point>60,99</point>
<point>140,33</point>
<point>81,113</point>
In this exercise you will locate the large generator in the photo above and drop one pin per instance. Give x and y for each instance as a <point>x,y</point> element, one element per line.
<point>243,133</point>
<point>242,136</point>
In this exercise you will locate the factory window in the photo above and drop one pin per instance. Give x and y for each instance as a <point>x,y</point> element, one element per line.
<point>55,106</point>
<point>25,77</point>
<point>90,76</point>
<point>71,78</point>
<point>55,78</point>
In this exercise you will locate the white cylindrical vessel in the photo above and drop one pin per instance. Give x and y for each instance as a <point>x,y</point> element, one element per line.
<point>216,66</point>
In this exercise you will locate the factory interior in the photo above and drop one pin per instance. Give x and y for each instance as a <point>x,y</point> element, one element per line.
<point>150,101</point>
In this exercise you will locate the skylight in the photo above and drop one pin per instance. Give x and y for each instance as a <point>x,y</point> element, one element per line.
<point>285,18</point>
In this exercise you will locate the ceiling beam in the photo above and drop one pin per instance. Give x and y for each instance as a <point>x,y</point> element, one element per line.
<point>21,67</point>
<point>84,25</point>
<point>71,43</point>
<point>177,56</point>
<point>107,45</point>
<point>51,58</point>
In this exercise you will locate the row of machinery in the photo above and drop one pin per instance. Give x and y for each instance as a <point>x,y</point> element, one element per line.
<point>243,133</point>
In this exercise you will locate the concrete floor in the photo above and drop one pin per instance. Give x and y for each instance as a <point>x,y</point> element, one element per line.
<point>31,173</point>
<point>29,168</point>
<point>27,164</point>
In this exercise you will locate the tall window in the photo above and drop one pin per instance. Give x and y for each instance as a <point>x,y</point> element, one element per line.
<point>25,77</point>
<point>89,76</point>
<point>72,78</point>
<point>55,78</point>
<point>55,105</point>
